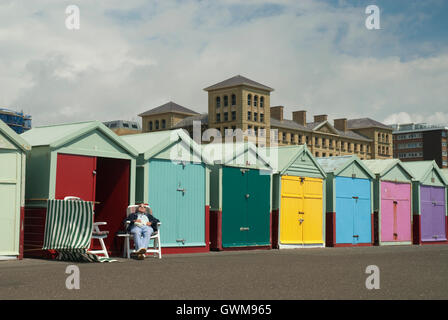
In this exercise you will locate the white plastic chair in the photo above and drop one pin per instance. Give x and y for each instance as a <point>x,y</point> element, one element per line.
<point>156,249</point>
<point>96,232</point>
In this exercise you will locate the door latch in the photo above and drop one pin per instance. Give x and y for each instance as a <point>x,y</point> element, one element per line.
<point>94,172</point>
<point>356,236</point>
<point>244,229</point>
<point>181,240</point>
<point>301,220</point>
<point>183,190</point>
<point>247,196</point>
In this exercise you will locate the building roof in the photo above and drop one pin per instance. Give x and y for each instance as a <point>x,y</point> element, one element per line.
<point>168,107</point>
<point>336,165</point>
<point>14,137</point>
<point>313,126</point>
<point>417,127</point>
<point>188,121</point>
<point>56,136</point>
<point>151,143</point>
<point>365,123</point>
<point>421,169</point>
<point>288,124</point>
<point>238,81</point>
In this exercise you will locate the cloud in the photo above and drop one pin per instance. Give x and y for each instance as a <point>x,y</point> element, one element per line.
<point>135,55</point>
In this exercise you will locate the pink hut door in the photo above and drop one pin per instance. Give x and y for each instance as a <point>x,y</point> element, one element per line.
<point>395,212</point>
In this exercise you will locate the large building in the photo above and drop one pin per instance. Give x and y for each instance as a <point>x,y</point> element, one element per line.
<point>241,103</point>
<point>18,121</point>
<point>124,127</point>
<point>416,142</point>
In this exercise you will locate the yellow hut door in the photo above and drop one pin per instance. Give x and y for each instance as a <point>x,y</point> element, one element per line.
<point>313,209</point>
<point>301,212</point>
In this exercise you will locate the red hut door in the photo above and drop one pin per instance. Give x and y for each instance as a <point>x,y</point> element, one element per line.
<point>75,176</point>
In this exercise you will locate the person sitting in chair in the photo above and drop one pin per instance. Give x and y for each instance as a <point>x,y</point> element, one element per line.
<point>141,226</point>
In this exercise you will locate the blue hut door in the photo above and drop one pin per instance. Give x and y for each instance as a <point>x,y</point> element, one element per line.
<point>353,216</point>
<point>190,202</point>
<point>177,197</point>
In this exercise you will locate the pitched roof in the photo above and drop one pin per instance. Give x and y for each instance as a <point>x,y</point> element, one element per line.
<point>383,166</point>
<point>151,143</point>
<point>337,164</point>
<point>421,169</point>
<point>365,123</point>
<point>287,155</point>
<point>168,107</point>
<point>188,121</point>
<point>238,81</point>
<point>14,137</point>
<point>55,136</point>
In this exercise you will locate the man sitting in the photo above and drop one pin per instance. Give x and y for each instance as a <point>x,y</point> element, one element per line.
<point>141,226</point>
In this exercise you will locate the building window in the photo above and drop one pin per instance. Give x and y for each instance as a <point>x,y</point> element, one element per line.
<point>323,143</point>
<point>233,99</point>
<point>233,115</point>
<point>249,130</point>
<point>163,124</point>
<point>262,117</point>
<point>226,116</point>
<point>255,116</point>
<point>150,125</point>
<point>249,99</point>
<point>317,154</point>
<point>261,102</point>
<point>255,101</point>
<point>249,116</point>
<point>157,124</point>
<point>218,102</point>
<point>226,101</point>
<point>218,117</point>
<point>324,154</point>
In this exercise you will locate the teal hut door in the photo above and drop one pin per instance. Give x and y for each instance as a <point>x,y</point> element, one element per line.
<point>245,208</point>
<point>177,197</point>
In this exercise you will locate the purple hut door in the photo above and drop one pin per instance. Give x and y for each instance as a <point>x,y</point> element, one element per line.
<point>432,213</point>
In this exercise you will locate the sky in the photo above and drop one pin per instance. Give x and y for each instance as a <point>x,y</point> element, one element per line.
<point>131,56</point>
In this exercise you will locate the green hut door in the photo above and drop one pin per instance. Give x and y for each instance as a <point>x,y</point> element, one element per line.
<point>9,202</point>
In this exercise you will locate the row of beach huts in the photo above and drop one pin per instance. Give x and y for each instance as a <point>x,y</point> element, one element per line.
<point>215,196</point>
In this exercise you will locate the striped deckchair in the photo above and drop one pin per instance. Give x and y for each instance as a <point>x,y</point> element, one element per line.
<point>68,230</point>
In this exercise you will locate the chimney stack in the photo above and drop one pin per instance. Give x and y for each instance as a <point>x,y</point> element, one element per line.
<point>299,117</point>
<point>277,112</point>
<point>341,124</point>
<point>321,118</point>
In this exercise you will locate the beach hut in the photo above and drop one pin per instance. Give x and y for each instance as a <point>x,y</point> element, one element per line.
<point>240,193</point>
<point>83,159</point>
<point>392,198</point>
<point>429,194</point>
<point>173,177</point>
<point>298,198</point>
<point>349,201</point>
<point>13,151</point>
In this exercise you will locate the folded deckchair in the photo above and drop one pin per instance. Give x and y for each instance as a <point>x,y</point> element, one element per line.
<point>68,230</point>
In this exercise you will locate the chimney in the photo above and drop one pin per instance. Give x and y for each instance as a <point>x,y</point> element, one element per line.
<point>299,117</point>
<point>320,118</point>
<point>277,112</point>
<point>341,124</point>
